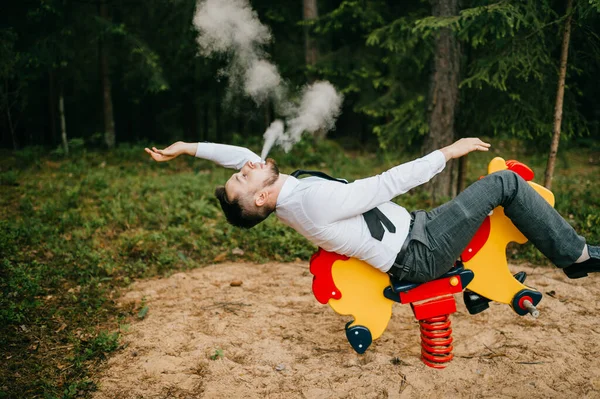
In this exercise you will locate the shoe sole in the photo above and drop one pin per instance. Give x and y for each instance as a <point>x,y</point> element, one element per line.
<point>576,275</point>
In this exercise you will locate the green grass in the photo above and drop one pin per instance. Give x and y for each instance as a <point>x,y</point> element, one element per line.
<point>74,231</point>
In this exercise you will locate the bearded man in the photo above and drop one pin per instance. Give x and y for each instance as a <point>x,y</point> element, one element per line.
<point>359,220</point>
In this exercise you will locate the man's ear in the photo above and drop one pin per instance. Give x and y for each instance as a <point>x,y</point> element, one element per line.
<point>261,198</point>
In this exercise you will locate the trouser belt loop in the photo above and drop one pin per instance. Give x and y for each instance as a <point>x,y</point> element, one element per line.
<point>399,269</point>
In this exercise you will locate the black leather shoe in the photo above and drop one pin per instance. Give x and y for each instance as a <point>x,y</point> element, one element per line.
<point>476,303</point>
<point>579,270</point>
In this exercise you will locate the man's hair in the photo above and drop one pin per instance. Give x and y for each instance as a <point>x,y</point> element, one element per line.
<point>238,214</point>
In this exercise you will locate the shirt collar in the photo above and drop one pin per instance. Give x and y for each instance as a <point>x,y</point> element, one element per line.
<point>286,190</point>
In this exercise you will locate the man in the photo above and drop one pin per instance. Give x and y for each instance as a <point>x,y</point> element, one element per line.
<point>359,220</point>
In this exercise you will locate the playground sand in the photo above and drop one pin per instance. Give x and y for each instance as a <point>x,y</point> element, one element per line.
<point>269,338</point>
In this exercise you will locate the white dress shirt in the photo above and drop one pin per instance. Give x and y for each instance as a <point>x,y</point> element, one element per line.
<point>329,214</point>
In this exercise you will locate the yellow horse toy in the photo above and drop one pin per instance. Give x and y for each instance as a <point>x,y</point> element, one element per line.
<point>352,287</point>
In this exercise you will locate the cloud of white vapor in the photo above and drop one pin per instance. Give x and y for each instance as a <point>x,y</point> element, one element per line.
<point>231,27</point>
<point>318,109</point>
<point>273,132</point>
<point>261,80</point>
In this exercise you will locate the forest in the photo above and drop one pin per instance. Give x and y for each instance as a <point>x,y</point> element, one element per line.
<point>416,73</point>
<point>351,87</point>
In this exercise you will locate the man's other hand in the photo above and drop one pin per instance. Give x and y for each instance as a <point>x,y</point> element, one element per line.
<point>463,147</point>
<point>172,151</point>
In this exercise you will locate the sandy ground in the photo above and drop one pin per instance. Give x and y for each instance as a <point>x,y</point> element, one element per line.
<point>270,338</point>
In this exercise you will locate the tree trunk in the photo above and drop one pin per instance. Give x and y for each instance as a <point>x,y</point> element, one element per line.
<point>52,105</point>
<point>560,93</point>
<point>9,116</point>
<point>63,123</point>
<point>200,135</point>
<point>206,121</point>
<point>218,130</point>
<point>310,45</point>
<point>444,96</point>
<point>109,121</point>
<point>12,129</point>
<point>189,118</point>
<point>461,180</point>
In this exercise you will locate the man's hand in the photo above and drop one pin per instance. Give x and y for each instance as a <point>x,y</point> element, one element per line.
<point>463,147</point>
<point>172,151</point>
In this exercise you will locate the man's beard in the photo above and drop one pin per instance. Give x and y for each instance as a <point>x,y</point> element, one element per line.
<point>275,172</point>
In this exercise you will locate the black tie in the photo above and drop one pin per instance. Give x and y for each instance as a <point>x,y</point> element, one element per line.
<point>374,218</point>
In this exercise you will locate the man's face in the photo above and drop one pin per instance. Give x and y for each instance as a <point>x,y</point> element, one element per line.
<point>252,177</point>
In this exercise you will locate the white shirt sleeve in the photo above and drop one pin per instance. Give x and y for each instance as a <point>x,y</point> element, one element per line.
<point>329,202</point>
<point>228,156</point>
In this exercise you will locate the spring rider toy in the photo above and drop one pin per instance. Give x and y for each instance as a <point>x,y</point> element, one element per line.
<point>352,287</point>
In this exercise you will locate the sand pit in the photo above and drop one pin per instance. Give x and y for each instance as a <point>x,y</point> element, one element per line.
<point>270,338</point>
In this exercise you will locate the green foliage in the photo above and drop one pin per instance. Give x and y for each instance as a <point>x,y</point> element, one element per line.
<point>143,312</point>
<point>508,74</point>
<point>19,288</point>
<point>9,178</point>
<point>99,346</point>
<point>147,68</point>
<point>76,390</point>
<point>217,355</point>
<point>8,54</point>
<point>408,122</point>
<point>352,15</point>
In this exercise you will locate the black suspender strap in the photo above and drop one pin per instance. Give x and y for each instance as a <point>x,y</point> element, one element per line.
<point>317,173</point>
<point>374,218</point>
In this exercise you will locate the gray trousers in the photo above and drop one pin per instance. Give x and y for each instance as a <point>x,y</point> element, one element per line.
<point>438,237</point>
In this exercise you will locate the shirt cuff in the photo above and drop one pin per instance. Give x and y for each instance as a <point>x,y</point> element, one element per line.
<point>437,159</point>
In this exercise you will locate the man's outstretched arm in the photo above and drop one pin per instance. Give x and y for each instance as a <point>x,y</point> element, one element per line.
<point>335,202</point>
<point>228,156</point>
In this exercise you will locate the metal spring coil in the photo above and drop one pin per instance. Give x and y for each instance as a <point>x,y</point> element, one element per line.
<point>436,340</point>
